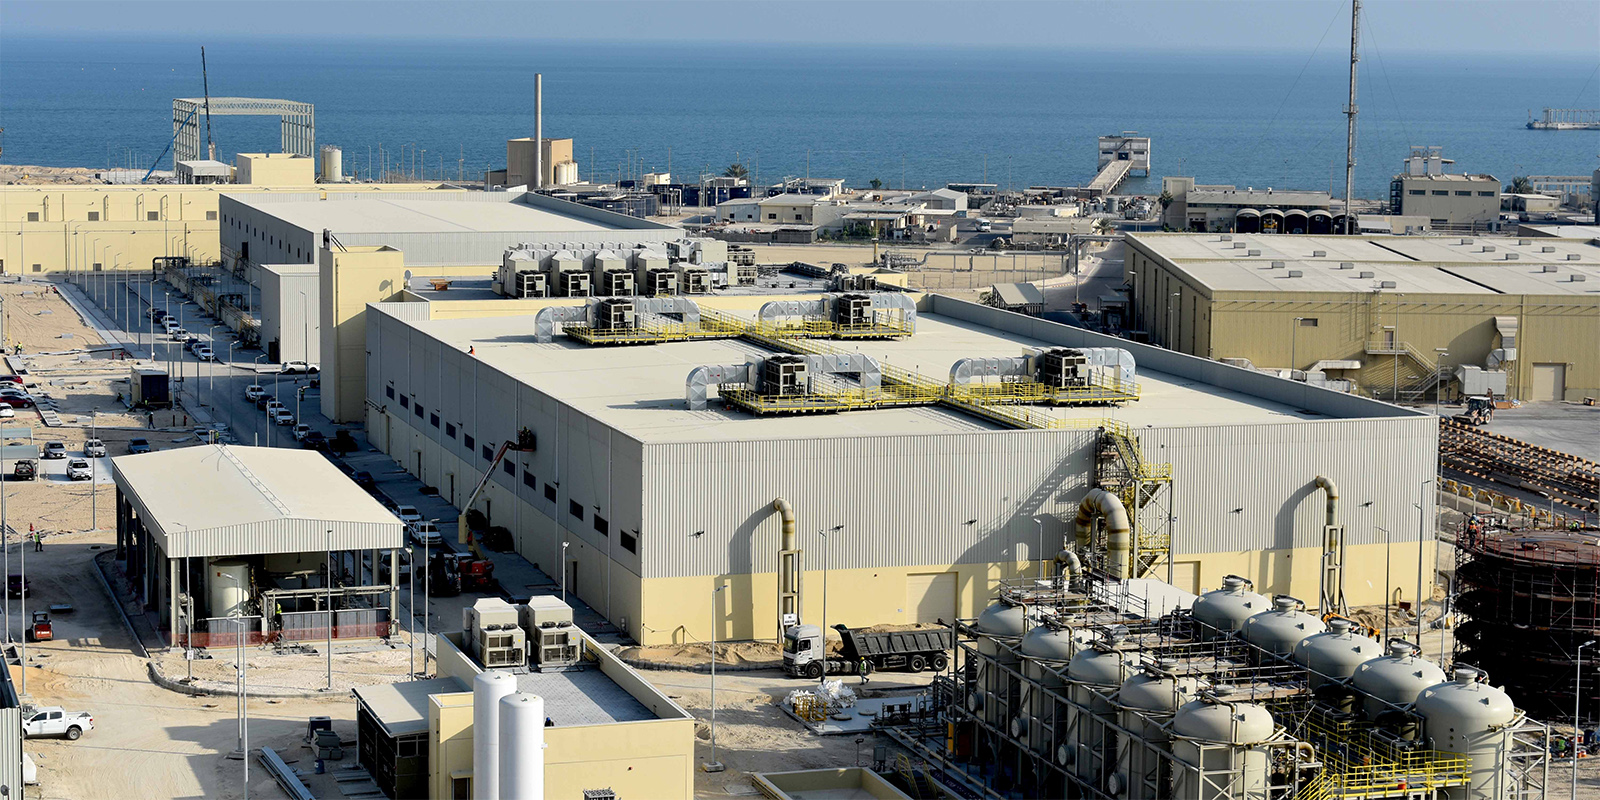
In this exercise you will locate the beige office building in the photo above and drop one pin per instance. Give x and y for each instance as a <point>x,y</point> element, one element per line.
<point>1398,315</point>
<point>520,158</point>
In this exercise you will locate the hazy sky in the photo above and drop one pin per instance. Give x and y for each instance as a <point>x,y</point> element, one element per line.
<point>1565,27</point>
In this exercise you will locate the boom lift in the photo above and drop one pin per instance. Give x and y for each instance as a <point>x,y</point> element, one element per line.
<point>524,444</point>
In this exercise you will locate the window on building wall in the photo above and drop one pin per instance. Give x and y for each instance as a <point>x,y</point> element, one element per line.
<point>575,509</point>
<point>388,391</point>
<point>488,453</point>
<point>1486,194</point>
<point>466,439</point>
<point>601,526</point>
<point>450,430</point>
<point>94,216</point>
<point>433,419</point>
<point>1308,322</point>
<point>1441,193</point>
<point>1463,194</point>
<point>509,467</point>
<point>405,401</point>
<point>416,408</point>
<point>629,542</point>
<point>38,268</point>
<point>211,216</point>
<point>528,480</point>
<point>772,216</point>
<point>550,493</point>
<point>152,216</point>
<point>460,789</point>
<point>97,266</point>
<point>1416,192</point>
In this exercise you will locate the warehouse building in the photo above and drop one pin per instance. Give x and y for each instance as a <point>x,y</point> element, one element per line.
<point>209,533</point>
<point>1449,201</point>
<point>1225,209</point>
<point>1401,316</point>
<point>645,506</point>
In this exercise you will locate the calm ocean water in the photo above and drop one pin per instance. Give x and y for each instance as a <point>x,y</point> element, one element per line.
<point>924,116</point>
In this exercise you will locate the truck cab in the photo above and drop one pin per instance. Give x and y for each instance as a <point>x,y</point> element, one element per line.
<point>53,721</point>
<point>802,651</point>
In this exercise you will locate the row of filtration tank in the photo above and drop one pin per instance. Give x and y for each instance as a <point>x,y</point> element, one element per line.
<point>1094,714</point>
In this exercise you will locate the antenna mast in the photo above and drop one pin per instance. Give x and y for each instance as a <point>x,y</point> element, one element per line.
<point>205,82</point>
<point>1350,113</point>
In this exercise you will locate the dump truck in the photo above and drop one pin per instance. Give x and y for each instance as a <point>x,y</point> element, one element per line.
<point>906,651</point>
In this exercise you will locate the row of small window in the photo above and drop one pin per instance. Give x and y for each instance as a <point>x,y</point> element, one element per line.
<point>151,216</point>
<point>1446,193</point>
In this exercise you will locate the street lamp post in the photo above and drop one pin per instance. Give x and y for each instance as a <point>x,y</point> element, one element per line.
<point>564,546</point>
<point>243,681</point>
<point>827,551</point>
<point>1577,727</point>
<point>1294,345</point>
<point>1172,312</point>
<point>330,609</point>
<point>1422,544</point>
<point>714,765</point>
<point>411,608</point>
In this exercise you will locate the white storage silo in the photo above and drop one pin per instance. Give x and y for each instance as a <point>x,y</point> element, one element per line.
<point>229,586</point>
<point>1217,744</point>
<point>487,690</point>
<point>1093,674</point>
<point>332,167</point>
<point>1395,679</point>
<point>1000,623</point>
<point>522,747</point>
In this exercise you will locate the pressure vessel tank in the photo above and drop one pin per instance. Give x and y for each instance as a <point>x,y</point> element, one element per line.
<point>1146,701</point>
<point>1469,717</point>
<point>1225,610</point>
<point>1394,679</point>
<point>1280,630</point>
<point>1219,749</point>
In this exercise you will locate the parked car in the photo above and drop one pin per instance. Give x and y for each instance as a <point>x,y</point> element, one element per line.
<point>13,401</point>
<point>78,470</point>
<point>263,400</point>
<point>53,721</point>
<point>407,513</point>
<point>300,432</point>
<point>54,450</point>
<point>6,412</point>
<point>298,367</point>
<point>205,353</point>
<point>272,407</point>
<point>283,416</point>
<point>254,392</point>
<point>17,586</point>
<point>364,479</point>
<point>25,470</point>
<point>137,446</point>
<point>425,532</point>
<point>178,334</point>
<point>94,448</point>
<point>16,379</point>
<point>313,440</point>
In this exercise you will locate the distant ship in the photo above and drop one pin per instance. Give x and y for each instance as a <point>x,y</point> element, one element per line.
<point>1566,119</point>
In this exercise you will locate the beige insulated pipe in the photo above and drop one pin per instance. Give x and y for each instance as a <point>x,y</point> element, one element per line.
<point>788,566</point>
<point>1332,489</point>
<point>1119,545</point>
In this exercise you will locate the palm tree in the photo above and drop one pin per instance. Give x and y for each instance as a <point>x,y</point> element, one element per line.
<point>1520,186</point>
<point>736,170</point>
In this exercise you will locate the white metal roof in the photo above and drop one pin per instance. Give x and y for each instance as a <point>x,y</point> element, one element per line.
<point>217,500</point>
<point>402,708</point>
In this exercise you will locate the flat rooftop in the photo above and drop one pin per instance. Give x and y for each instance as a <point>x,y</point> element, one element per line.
<point>402,708</point>
<point>1416,264</point>
<point>382,214</point>
<point>584,697</point>
<point>640,390</point>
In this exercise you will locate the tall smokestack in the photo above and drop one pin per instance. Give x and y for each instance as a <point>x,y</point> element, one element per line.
<point>538,130</point>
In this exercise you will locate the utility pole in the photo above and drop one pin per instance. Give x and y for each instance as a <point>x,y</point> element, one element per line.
<point>1350,113</point>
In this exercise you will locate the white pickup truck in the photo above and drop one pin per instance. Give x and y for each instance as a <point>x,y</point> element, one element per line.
<point>53,721</point>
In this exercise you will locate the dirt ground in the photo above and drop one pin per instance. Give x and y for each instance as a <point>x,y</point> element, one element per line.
<point>24,174</point>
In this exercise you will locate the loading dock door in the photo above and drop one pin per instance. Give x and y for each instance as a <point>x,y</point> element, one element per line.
<point>931,597</point>
<point>1549,382</point>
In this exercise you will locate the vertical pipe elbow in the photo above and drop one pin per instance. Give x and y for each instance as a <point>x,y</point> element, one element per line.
<point>1327,485</point>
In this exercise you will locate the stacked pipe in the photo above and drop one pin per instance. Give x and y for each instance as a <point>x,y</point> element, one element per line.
<point>1491,457</point>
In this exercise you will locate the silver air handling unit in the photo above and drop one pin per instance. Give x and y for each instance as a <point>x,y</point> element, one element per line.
<point>852,310</point>
<point>870,315</point>
<point>784,376</point>
<point>552,636</point>
<point>1064,368</point>
<point>568,278</point>
<point>614,314</point>
<point>492,634</point>
<point>693,279</point>
<point>612,278</point>
<point>522,273</point>
<point>655,275</point>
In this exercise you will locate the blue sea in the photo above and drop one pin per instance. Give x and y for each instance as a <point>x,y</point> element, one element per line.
<point>912,116</point>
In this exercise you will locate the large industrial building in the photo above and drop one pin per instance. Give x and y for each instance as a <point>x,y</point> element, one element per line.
<point>645,488</point>
<point>1449,201</point>
<point>1402,317</point>
<point>218,537</point>
<point>1203,208</point>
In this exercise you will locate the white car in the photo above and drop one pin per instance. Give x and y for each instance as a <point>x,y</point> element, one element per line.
<point>7,413</point>
<point>78,470</point>
<point>408,514</point>
<point>94,448</point>
<point>300,432</point>
<point>425,532</point>
<point>178,334</point>
<point>205,353</point>
<point>273,407</point>
<point>298,367</point>
<point>254,393</point>
<point>283,416</point>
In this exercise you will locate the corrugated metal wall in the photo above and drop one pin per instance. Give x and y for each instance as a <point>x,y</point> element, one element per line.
<point>904,500</point>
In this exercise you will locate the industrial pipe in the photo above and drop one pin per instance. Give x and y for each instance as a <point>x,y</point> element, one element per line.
<point>1332,489</point>
<point>1119,534</point>
<point>788,567</point>
<point>1068,564</point>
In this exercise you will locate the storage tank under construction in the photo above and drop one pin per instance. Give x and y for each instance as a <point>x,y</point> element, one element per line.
<point>1092,675</point>
<point>1146,702</point>
<point>1235,771</point>
<point>1225,610</point>
<point>1280,630</point>
<point>1472,718</point>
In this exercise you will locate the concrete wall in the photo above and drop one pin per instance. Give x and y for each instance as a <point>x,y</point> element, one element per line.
<point>348,280</point>
<point>291,311</point>
<point>275,169</point>
<point>46,229</point>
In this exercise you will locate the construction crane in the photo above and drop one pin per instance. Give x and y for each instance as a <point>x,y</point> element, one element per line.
<point>523,444</point>
<point>211,146</point>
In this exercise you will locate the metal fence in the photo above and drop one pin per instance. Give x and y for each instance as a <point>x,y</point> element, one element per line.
<point>350,623</point>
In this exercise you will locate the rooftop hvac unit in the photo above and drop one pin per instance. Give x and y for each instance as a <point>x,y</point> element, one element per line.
<point>1576,278</point>
<point>1488,248</point>
<point>572,284</point>
<point>530,284</point>
<point>1369,275</point>
<point>492,634</point>
<point>1466,241</point>
<point>1294,273</point>
<point>599,794</point>
<point>1064,368</point>
<point>1239,245</point>
<point>1227,237</point>
<point>746,274</point>
<point>552,637</point>
<point>1574,257</point>
<point>1524,242</point>
<point>616,283</point>
<point>1347,265</point>
<point>1512,256</point>
<point>1548,268</point>
<point>855,283</point>
<point>852,311</point>
<point>614,314</point>
<point>1547,249</point>
<point>784,376</point>
<point>1319,253</point>
<point>660,282</point>
<point>694,280</point>
<point>1386,285</point>
<point>1252,252</point>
